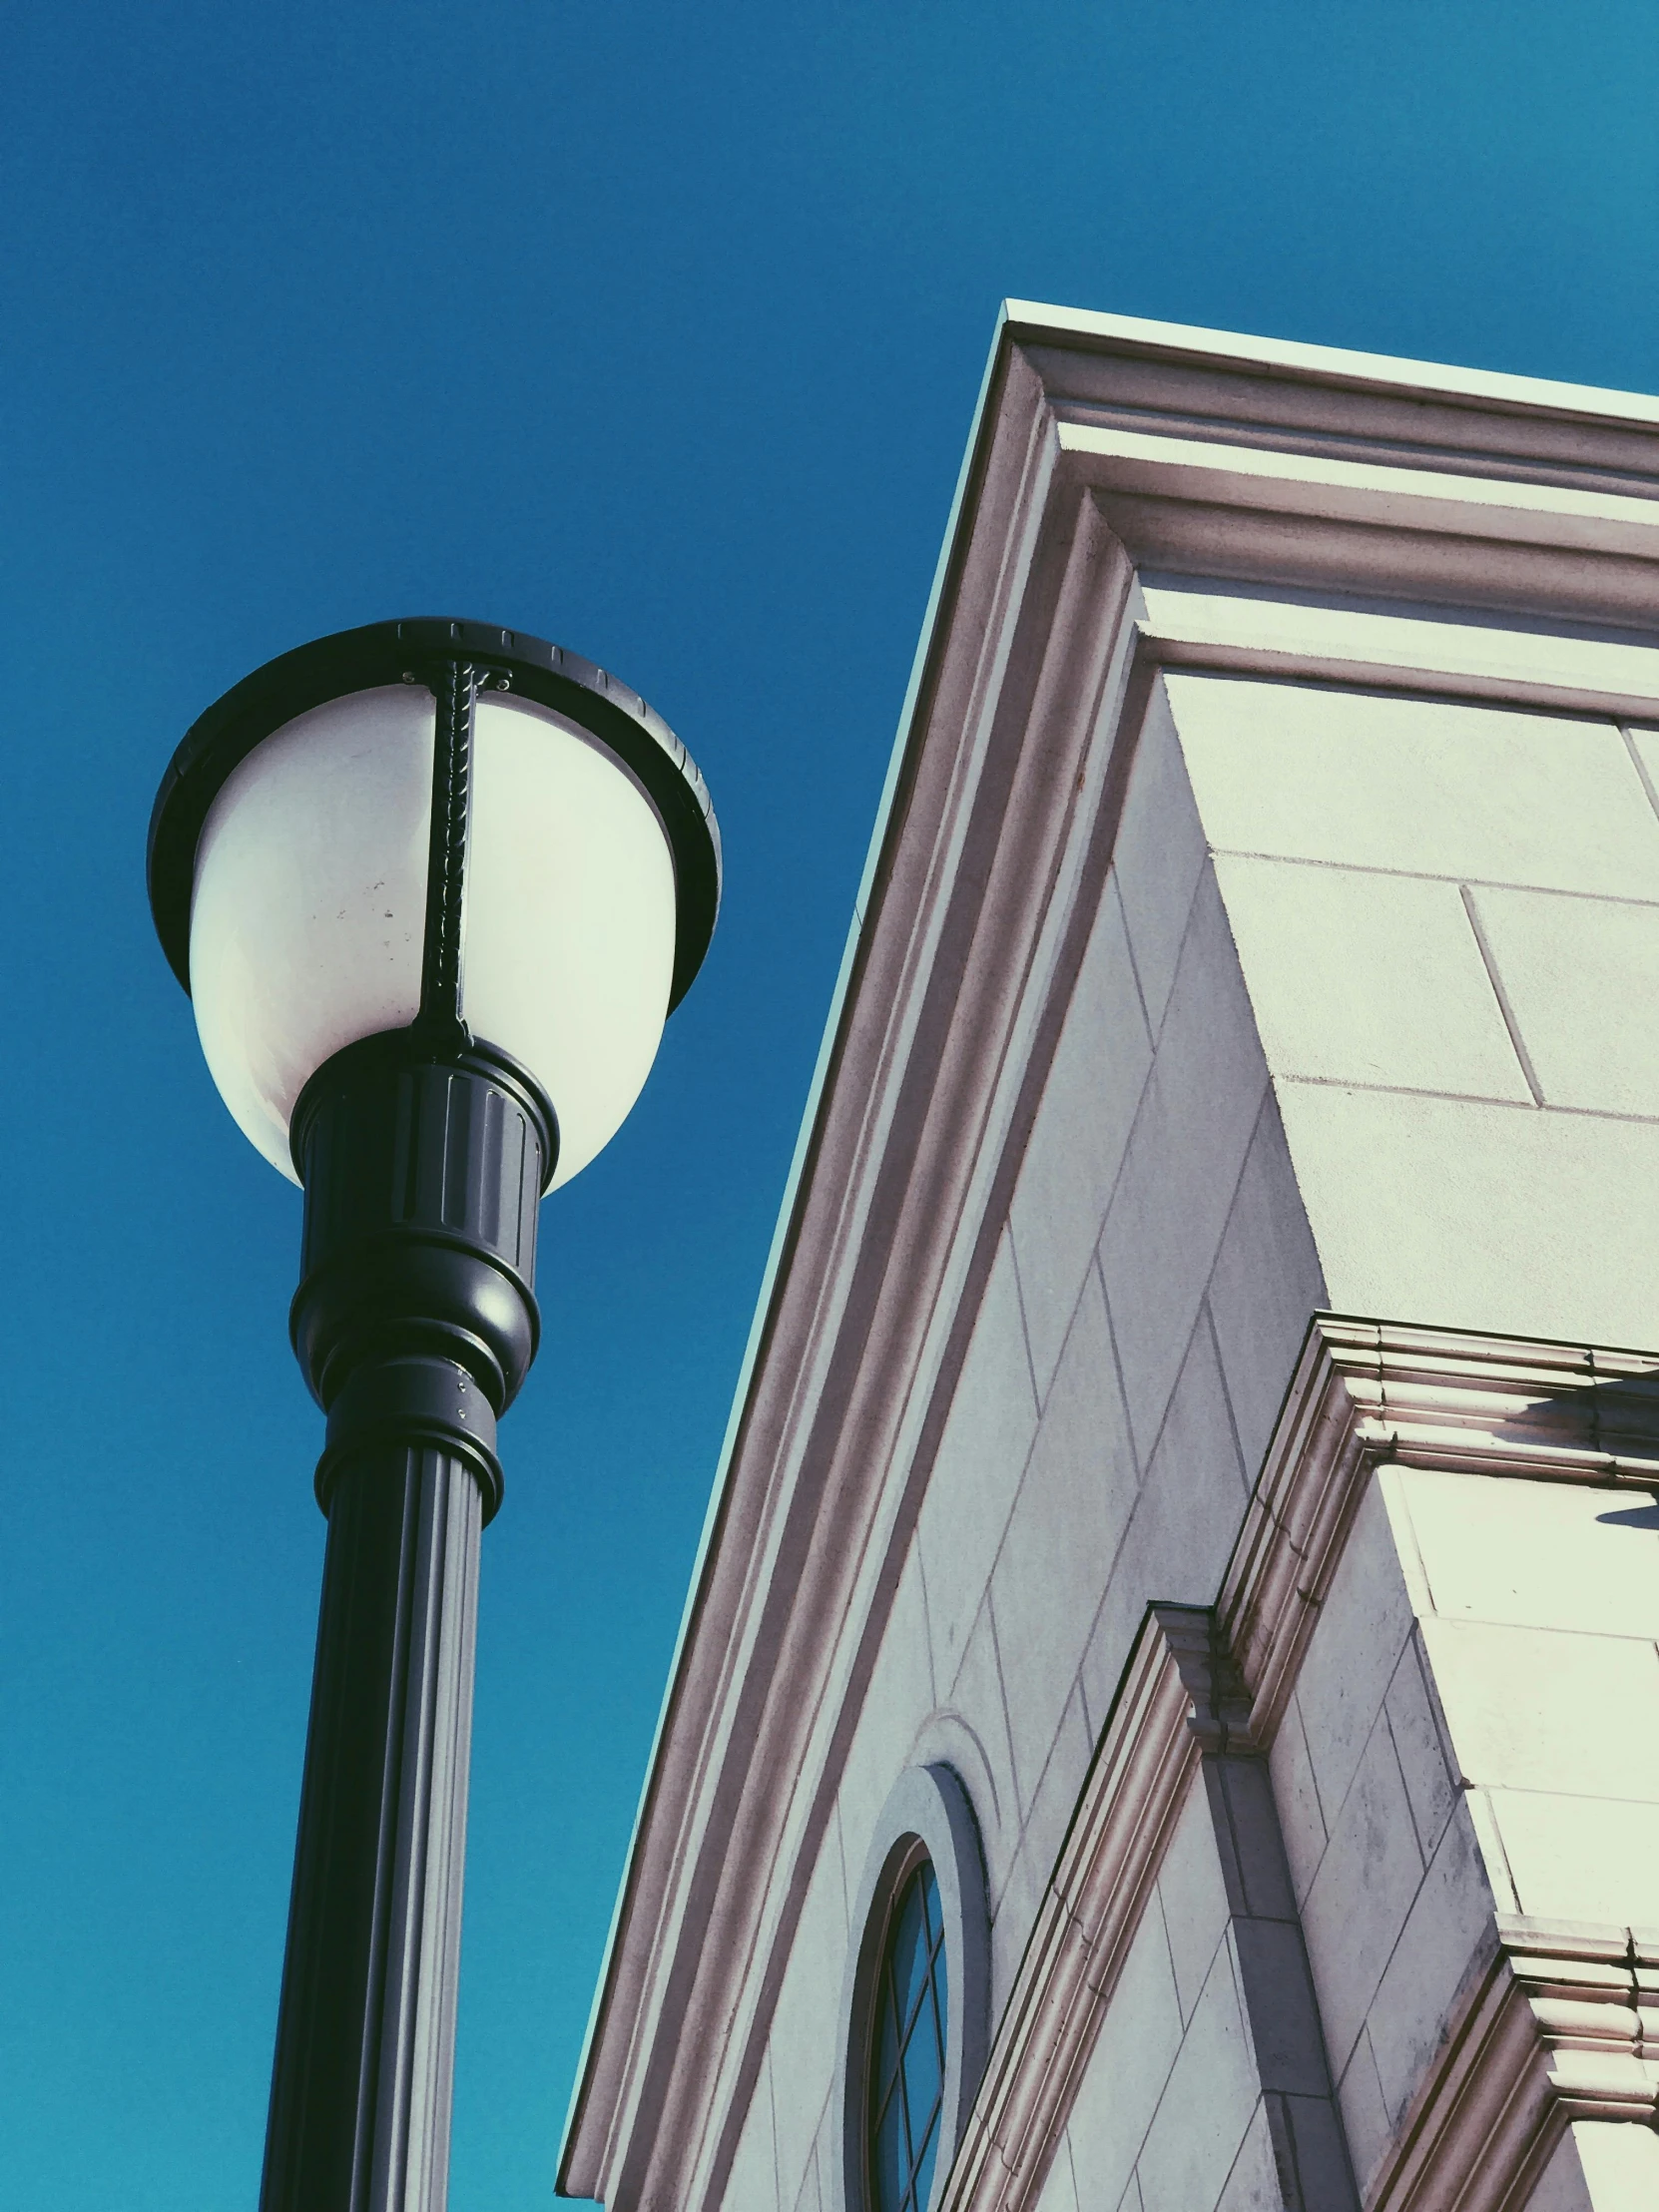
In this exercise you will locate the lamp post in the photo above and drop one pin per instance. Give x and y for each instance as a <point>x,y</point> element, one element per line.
<point>433,887</point>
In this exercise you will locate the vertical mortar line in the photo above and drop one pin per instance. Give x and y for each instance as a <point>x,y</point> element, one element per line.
<point>1639,765</point>
<point>1501,995</point>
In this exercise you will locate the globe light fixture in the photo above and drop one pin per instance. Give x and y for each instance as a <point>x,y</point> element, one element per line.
<point>433,889</point>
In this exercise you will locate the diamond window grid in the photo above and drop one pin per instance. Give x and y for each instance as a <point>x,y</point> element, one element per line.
<point>907,2050</point>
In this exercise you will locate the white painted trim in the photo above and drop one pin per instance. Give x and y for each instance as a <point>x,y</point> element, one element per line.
<point>1317,490</point>
<point>1038,323</point>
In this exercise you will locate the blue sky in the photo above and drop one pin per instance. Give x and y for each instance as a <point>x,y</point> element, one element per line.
<point>655,329</point>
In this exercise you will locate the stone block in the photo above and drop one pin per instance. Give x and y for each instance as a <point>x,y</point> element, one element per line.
<point>1365,2120</point>
<point>1158,855</point>
<point>1063,1535</point>
<point>897,1705</point>
<point>1541,1554</point>
<point>1056,1791</point>
<point>1362,1893</point>
<point>1580,1859</point>
<point>1254,2186</point>
<point>1279,2006</point>
<point>806,2032</point>
<point>978,1704</point>
<point>1248,1837</point>
<point>1059,2190</point>
<point>1621,2166</point>
<point>1573,970</point>
<point>1264,1288</point>
<point>1533,1709</point>
<point>810,2195</point>
<point>1127,2070</point>
<point>1310,773</point>
<point>1193,1896</point>
<point>1333,956</point>
<point>1420,1747</point>
<point>1310,2154</point>
<point>981,1459</point>
<point>1301,1822</point>
<point>1014,1911</point>
<point>1484,1216</point>
<point>1362,628</point>
<point>1077,1142</point>
<point>1446,1939</point>
<point>752,2186</point>
<point>1363,1628</point>
<point>1186,1520</point>
<point>1561,2187</point>
<point>1181,1172</point>
<point>1205,2108</point>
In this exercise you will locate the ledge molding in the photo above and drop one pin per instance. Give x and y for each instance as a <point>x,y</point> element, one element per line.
<point>1564,2024</point>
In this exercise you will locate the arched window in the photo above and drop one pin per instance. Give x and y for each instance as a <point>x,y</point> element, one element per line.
<point>915,2005</point>
<point>909,2048</point>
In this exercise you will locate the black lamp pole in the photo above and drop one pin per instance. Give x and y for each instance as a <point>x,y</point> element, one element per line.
<point>415,1322</point>
<point>424,1154</point>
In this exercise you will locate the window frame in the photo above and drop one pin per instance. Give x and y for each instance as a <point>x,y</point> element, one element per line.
<point>927,1814</point>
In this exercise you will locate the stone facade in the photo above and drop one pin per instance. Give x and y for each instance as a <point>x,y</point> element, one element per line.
<point>1181,1403</point>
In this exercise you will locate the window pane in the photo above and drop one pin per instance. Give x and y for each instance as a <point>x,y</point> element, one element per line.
<point>907,2050</point>
<point>909,1950</point>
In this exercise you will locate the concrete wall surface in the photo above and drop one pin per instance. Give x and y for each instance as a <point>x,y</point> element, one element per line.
<point>1447,915</point>
<point>1599,2167</point>
<point>1330,1044</point>
<point>1233,950</point>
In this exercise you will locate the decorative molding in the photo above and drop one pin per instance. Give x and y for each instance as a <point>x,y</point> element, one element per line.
<point>1181,1707</point>
<point>1451,1399</point>
<point>1204,505</point>
<point>1158,649</point>
<point>1563,2026</point>
<point>1148,1754</point>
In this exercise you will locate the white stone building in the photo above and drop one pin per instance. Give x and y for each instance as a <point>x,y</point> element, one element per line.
<point>1182,1523</point>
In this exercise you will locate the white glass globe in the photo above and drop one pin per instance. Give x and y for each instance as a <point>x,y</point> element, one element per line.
<point>309,905</point>
<point>308,914</point>
<point>568,953</point>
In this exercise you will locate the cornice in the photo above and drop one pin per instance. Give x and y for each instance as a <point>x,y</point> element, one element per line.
<point>995,834</point>
<point>1401,529</point>
<point>1217,353</point>
<point>1366,1392</point>
<point>1563,2026</point>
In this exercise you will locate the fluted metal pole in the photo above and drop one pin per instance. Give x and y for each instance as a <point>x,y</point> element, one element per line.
<point>361,2092</point>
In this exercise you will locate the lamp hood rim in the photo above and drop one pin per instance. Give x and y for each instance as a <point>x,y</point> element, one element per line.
<point>382,653</point>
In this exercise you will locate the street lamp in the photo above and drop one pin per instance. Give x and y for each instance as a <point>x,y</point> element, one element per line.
<point>433,887</point>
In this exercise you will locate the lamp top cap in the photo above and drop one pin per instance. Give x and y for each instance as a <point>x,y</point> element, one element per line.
<point>395,652</point>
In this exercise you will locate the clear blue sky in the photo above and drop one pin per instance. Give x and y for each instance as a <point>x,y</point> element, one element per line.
<point>655,329</point>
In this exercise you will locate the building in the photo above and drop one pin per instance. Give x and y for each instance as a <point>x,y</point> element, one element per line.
<point>1181,1600</point>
